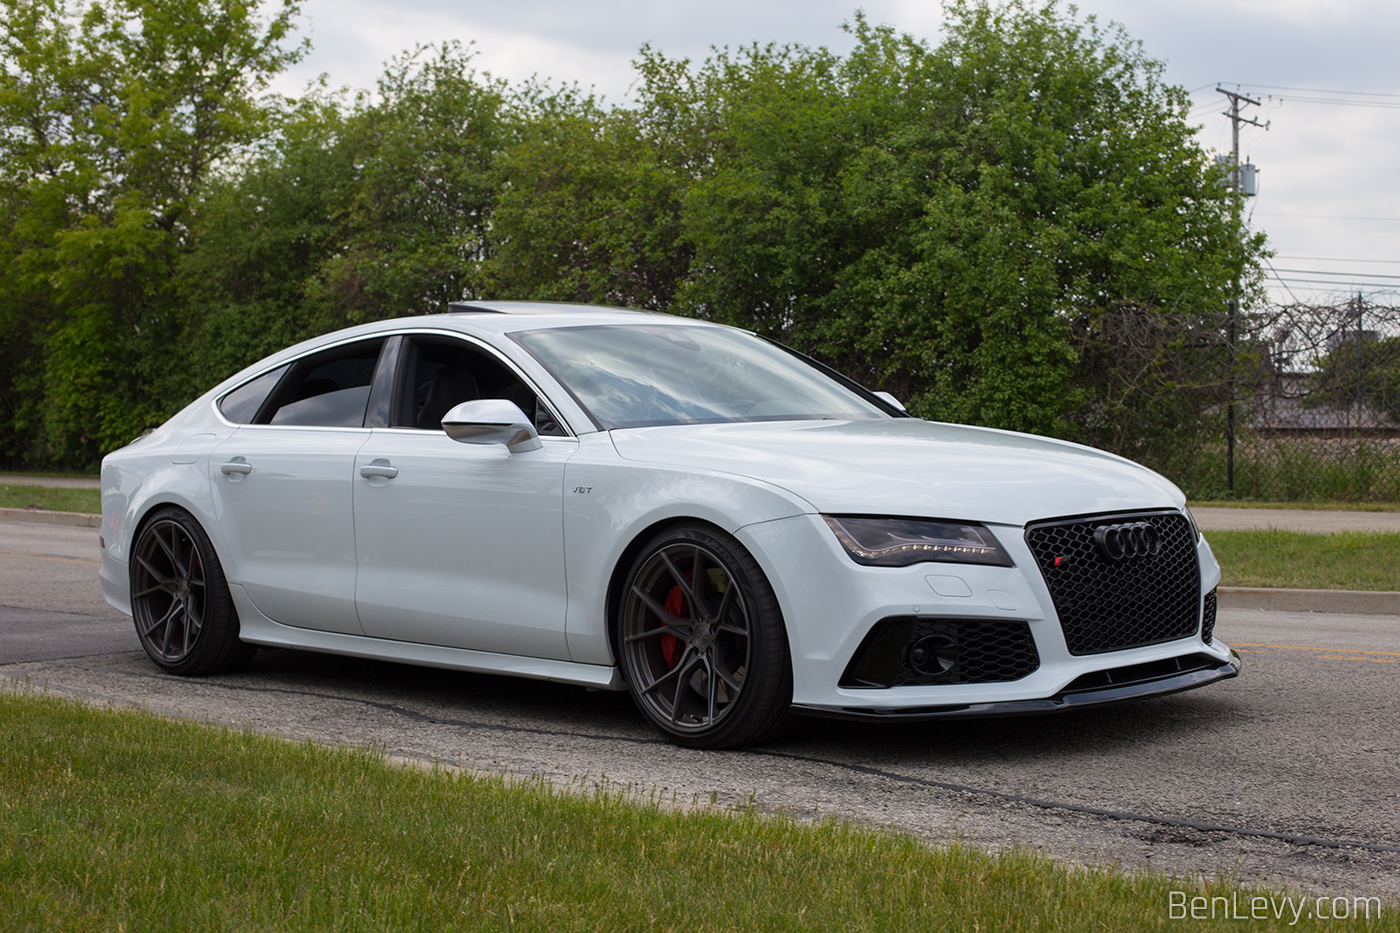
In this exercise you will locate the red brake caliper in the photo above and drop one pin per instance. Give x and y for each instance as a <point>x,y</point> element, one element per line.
<point>670,645</point>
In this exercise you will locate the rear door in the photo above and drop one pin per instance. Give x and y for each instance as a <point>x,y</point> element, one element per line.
<point>283,488</point>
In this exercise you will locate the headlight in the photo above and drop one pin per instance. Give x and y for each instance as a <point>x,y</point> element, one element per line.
<point>899,542</point>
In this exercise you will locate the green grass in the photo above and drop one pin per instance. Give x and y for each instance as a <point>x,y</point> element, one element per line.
<point>52,498</point>
<point>1347,560</point>
<point>114,820</point>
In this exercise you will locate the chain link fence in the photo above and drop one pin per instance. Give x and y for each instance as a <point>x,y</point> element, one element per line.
<point>1316,399</point>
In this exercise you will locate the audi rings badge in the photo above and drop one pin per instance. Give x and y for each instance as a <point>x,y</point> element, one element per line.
<point>1123,542</point>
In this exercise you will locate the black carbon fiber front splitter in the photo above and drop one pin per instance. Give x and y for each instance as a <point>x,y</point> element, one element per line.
<point>1175,683</point>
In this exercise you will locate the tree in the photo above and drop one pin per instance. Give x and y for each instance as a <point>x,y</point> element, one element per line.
<point>591,196</point>
<point>1338,378</point>
<point>115,114</point>
<point>360,209</point>
<point>959,223</point>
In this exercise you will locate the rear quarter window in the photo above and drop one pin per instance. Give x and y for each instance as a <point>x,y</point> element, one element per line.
<point>241,405</point>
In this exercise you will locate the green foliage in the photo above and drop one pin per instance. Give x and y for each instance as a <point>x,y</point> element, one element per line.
<point>590,206</point>
<point>963,224</point>
<point>359,210</point>
<point>1334,383</point>
<point>1015,227</point>
<point>1298,468</point>
<point>115,114</point>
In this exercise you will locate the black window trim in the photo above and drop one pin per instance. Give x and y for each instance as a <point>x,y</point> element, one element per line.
<point>405,357</point>
<point>291,367</point>
<point>400,356</point>
<point>295,371</point>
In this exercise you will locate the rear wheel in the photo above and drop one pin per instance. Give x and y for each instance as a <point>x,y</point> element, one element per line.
<point>702,643</point>
<point>180,600</point>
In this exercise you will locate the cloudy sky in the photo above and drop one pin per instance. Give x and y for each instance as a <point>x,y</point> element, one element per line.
<point>1323,70</point>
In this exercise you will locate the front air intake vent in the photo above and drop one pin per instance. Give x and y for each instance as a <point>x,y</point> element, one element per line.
<point>906,651</point>
<point>1208,618</point>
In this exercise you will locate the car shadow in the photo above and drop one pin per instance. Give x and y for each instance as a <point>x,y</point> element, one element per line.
<point>1116,728</point>
<point>467,696</point>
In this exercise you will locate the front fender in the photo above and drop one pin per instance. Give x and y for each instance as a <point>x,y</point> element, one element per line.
<point>610,504</point>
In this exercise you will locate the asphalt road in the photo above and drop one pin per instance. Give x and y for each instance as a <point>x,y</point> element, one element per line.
<point>1284,775</point>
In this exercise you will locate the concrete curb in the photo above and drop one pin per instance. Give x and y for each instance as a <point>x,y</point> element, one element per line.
<point>45,517</point>
<point>1361,602</point>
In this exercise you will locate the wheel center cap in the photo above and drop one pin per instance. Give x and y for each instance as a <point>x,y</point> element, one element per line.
<point>704,635</point>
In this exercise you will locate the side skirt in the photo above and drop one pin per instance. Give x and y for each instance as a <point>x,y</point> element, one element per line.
<point>257,629</point>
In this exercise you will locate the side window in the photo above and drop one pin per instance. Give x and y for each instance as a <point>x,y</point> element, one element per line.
<point>241,405</point>
<point>328,389</point>
<point>441,373</point>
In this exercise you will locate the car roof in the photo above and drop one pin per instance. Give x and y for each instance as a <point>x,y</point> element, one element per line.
<point>481,318</point>
<point>510,316</point>
<point>504,317</point>
<point>534,307</point>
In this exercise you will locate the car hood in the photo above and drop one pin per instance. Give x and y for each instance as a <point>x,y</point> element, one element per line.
<point>911,467</point>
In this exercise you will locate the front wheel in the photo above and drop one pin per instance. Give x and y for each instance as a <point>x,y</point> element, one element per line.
<point>702,643</point>
<point>180,600</point>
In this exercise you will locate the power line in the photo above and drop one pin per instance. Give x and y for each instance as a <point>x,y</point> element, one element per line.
<point>1315,90</point>
<point>1371,275</point>
<point>1378,104</point>
<point>1308,95</point>
<point>1328,216</point>
<point>1332,283</point>
<point>1338,259</point>
<point>1281,282</point>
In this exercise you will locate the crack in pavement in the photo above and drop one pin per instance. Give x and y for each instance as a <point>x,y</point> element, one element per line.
<point>1093,811</point>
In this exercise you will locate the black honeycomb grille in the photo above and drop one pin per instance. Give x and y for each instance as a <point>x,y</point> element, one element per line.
<point>905,651</point>
<point>1108,605</point>
<point>1208,618</point>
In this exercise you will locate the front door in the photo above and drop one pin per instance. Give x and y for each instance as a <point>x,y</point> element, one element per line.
<point>464,545</point>
<point>460,545</point>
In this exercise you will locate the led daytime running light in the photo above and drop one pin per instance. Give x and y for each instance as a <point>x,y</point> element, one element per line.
<point>900,542</point>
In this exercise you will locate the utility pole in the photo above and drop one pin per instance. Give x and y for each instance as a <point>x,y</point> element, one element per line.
<point>1360,339</point>
<point>1235,120</point>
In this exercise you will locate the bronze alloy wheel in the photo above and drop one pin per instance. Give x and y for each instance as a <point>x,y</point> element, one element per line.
<point>180,600</point>
<point>702,642</point>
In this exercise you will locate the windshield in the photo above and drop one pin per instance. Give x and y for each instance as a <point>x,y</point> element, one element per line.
<point>629,376</point>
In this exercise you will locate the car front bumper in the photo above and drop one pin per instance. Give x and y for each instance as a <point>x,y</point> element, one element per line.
<point>830,604</point>
<point>1060,702</point>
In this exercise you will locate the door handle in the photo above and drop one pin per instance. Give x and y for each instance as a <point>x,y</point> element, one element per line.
<point>236,465</point>
<point>379,468</point>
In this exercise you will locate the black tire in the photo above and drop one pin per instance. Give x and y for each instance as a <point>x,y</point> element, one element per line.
<point>180,601</point>
<point>719,678</point>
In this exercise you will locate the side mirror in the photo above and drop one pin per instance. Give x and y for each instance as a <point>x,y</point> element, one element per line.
<point>491,421</point>
<point>885,396</point>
